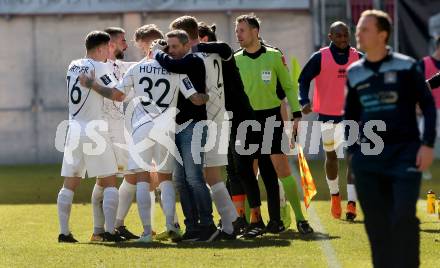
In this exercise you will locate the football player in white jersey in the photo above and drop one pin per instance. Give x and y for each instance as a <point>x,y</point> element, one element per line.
<point>143,36</point>
<point>151,114</point>
<point>87,127</point>
<point>216,157</point>
<point>114,114</point>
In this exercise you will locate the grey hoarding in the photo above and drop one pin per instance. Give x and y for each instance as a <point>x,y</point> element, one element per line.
<point>20,7</point>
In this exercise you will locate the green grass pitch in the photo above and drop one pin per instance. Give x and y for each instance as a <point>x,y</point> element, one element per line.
<point>29,229</point>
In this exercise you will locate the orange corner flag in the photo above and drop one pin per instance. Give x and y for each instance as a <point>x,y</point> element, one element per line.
<point>308,185</point>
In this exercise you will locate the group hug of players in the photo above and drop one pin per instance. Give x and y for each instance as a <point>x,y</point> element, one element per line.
<point>188,93</point>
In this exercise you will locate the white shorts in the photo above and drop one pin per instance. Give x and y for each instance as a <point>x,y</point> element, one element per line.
<point>116,134</point>
<point>332,136</point>
<point>150,152</point>
<point>216,146</point>
<point>100,161</point>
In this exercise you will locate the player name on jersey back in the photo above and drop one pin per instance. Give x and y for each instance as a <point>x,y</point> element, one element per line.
<point>151,69</point>
<point>79,69</point>
<point>155,92</point>
<point>85,104</point>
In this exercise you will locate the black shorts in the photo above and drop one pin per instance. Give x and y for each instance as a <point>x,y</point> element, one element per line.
<point>247,137</point>
<point>271,143</point>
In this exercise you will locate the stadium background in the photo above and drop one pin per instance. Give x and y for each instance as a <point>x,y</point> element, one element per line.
<point>40,38</point>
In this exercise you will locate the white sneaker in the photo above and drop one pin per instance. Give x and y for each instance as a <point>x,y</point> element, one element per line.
<point>172,228</point>
<point>145,238</point>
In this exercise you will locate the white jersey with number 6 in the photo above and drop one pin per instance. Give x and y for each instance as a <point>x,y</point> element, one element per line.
<point>87,147</point>
<point>155,91</point>
<point>85,104</point>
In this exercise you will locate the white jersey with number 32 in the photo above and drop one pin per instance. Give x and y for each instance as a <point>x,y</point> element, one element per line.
<point>85,104</point>
<point>155,91</point>
<point>215,87</point>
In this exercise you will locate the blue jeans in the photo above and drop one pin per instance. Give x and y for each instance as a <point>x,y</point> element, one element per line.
<point>195,197</point>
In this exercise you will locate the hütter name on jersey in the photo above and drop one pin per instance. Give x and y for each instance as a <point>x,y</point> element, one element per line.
<point>152,70</point>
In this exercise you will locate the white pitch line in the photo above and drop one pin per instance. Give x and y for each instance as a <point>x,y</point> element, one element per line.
<point>326,245</point>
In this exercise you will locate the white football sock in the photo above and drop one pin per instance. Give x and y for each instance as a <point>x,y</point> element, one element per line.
<point>144,205</point>
<point>176,219</point>
<point>64,203</point>
<point>225,206</point>
<point>168,198</point>
<point>98,213</point>
<point>153,207</point>
<point>351,193</point>
<point>110,206</point>
<point>126,196</point>
<point>333,185</point>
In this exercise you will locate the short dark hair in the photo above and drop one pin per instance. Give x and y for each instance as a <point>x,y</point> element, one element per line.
<point>179,34</point>
<point>188,24</point>
<point>148,32</point>
<point>383,21</point>
<point>96,38</point>
<point>114,31</point>
<point>336,25</point>
<point>206,30</point>
<point>251,19</point>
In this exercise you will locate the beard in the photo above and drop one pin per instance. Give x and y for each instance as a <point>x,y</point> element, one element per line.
<point>119,54</point>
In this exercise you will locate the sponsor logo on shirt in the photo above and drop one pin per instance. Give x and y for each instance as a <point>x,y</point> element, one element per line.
<point>106,79</point>
<point>187,83</point>
<point>342,73</point>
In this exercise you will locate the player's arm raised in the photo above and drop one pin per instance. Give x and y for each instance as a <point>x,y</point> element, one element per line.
<point>106,92</point>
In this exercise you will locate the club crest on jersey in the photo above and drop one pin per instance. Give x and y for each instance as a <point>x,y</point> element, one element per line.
<point>187,83</point>
<point>390,77</point>
<point>105,79</point>
<point>266,76</point>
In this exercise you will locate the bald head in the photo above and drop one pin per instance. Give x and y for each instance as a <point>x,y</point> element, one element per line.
<point>339,34</point>
<point>338,26</point>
